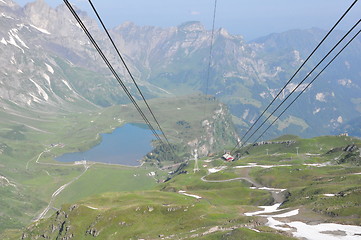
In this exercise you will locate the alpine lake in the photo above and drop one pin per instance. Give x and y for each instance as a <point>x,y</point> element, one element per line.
<point>126,145</point>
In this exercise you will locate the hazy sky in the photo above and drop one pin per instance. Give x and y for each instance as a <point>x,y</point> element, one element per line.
<point>250,18</point>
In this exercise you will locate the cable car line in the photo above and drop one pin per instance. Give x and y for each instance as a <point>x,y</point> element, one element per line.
<point>211,47</point>
<point>129,72</point>
<point>303,64</point>
<point>208,72</point>
<point>319,63</point>
<point>301,82</point>
<point>309,84</point>
<point>111,68</point>
<point>210,54</point>
<point>274,99</point>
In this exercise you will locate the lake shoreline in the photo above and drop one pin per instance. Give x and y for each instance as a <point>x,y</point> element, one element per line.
<point>127,145</point>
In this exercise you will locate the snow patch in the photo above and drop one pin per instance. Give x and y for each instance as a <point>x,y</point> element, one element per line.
<point>47,78</point>
<point>287,214</point>
<point>189,195</point>
<point>21,25</point>
<point>316,111</point>
<point>214,170</point>
<point>292,86</point>
<point>163,90</point>
<point>94,208</point>
<point>13,32</point>
<point>340,119</point>
<point>13,60</point>
<point>263,95</point>
<point>75,24</point>
<point>277,225</point>
<point>272,189</point>
<point>40,90</point>
<point>321,97</point>
<point>13,42</point>
<point>316,164</point>
<point>297,56</point>
<point>324,231</point>
<point>344,82</point>
<point>50,69</point>
<point>40,29</point>
<point>329,195</point>
<point>245,114</point>
<point>250,165</point>
<point>35,99</point>
<point>266,209</point>
<point>312,154</point>
<point>329,231</point>
<point>276,190</point>
<point>3,41</point>
<point>5,16</point>
<point>67,84</point>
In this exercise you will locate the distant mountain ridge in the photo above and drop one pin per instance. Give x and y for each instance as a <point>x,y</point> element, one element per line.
<point>48,61</point>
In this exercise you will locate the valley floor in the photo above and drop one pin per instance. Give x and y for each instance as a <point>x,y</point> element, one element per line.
<point>273,192</point>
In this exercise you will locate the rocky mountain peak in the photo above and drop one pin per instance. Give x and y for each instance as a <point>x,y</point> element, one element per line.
<point>39,13</point>
<point>127,24</point>
<point>126,27</point>
<point>8,3</point>
<point>223,32</point>
<point>193,26</point>
<point>10,9</point>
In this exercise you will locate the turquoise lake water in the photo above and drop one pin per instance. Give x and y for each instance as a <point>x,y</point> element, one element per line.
<point>126,145</point>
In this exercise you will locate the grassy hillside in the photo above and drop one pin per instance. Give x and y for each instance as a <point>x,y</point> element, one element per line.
<point>159,213</point>
<point>211,203</point>
<point>30,140</point>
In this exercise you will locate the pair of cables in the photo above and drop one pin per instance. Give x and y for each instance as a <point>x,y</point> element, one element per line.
<point>298,70</point>
<point>111,68</point>
<point>210,57</point>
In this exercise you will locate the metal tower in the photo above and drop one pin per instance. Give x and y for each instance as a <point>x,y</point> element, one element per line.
<point>196,168</point>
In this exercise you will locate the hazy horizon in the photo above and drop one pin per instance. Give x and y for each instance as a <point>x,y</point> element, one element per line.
<point>249,19</point>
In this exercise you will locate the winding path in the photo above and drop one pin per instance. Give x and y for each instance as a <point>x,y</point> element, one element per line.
<point>60,189</point>
<point>278,198</point>
<point>57,192</point>
<point>49,164</point>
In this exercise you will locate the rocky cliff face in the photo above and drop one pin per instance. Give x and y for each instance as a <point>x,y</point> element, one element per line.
<point>30,75</point>
<point>47,62</point>
<point>219,132</point>
<point>63,35</point>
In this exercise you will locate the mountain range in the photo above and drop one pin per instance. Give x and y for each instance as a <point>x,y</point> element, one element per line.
<point>47,63</point>
<point>57,96</point>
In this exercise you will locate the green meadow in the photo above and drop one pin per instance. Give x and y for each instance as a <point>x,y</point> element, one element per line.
<point>120,202</point>
<point>214,208</point>
<point>30,140</point>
